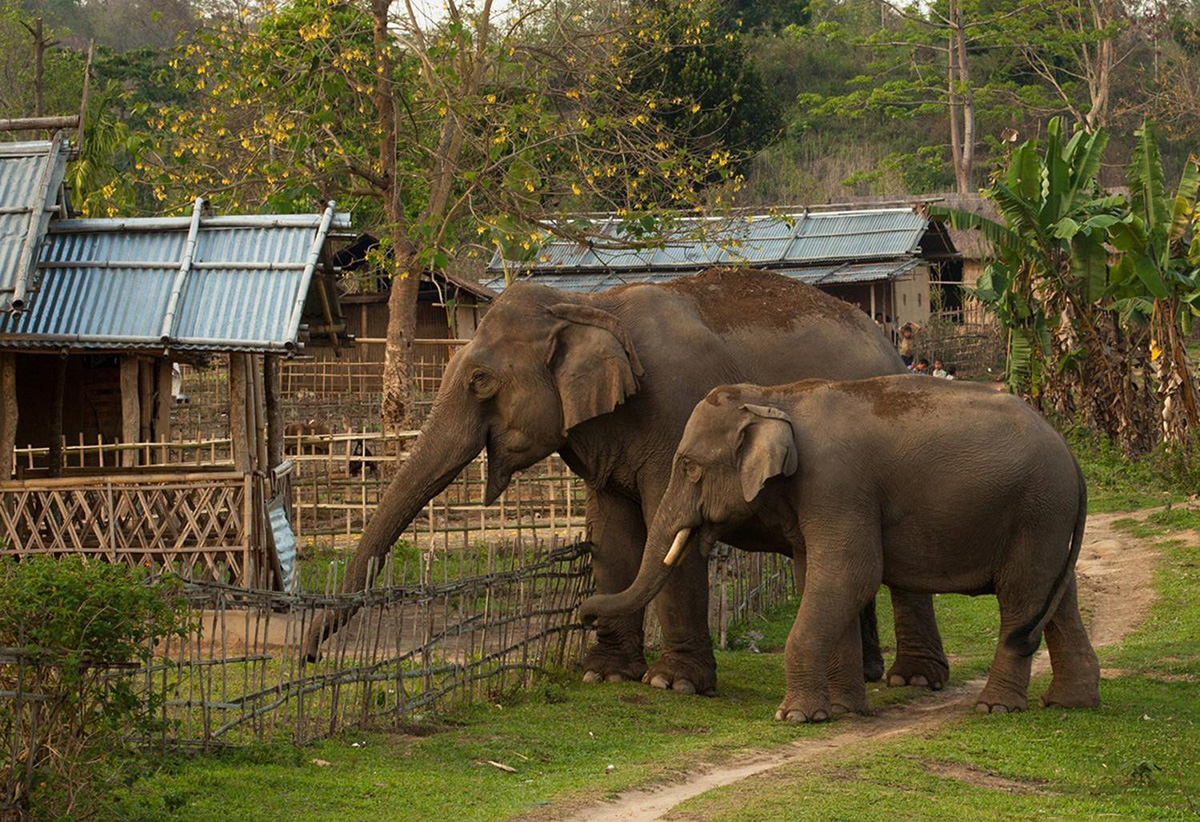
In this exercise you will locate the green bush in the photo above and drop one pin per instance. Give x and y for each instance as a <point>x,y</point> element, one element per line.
<point>69,628</point>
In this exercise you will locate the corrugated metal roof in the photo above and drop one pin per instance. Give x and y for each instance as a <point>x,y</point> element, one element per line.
<point>843,274</point>
<point>199,283</point>
<point>775,241</point>
<point>31,176</point>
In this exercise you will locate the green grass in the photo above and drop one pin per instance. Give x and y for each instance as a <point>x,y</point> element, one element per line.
<point>1137,757</point>
<point>561,737</point>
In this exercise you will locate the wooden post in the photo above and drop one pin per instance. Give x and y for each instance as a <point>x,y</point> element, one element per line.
<point>58,399</point>
<point>255,362</point>
<point>274,414</point>
<point>131,417</point>
<point>8,413</point>
<point>238,428</point>
<point>162,410</point>
<point>145,399</point>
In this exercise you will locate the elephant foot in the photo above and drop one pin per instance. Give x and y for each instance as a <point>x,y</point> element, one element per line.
<point>608,665</point>
<point>995,702</point>
<point>801,709</point>
<point>849,701</point>
<point>919,672</point>
<point>1071,695</point>
<point>872,667</point>
<point>683,674</point>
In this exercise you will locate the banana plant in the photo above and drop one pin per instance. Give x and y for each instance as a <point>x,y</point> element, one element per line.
<point>1049,250</point>
<point>1156,280</point>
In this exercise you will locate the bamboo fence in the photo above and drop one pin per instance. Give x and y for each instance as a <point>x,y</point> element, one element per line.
<point>439,629</point>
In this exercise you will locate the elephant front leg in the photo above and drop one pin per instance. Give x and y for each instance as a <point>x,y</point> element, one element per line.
<point>920,660</point>
<point>687,664</point>
<point>823,658</point>
<point>618,536</point>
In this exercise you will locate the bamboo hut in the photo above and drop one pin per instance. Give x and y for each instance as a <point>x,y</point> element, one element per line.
<point>95,315</point>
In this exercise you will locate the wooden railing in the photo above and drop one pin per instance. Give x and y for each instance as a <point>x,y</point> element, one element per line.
<point>201,525</point>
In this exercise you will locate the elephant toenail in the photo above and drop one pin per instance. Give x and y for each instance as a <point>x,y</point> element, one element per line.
<point>937,686</point>
<point>614,678</point>
<point>592,677</point>
<point>982,707</point>
<point>896,681</point>
<point>795,716</point>
<point>918,681</point>
<point>683,686</point>
<point>661,682</point>
<point>838,710</point>
<point>820,716</point>
<point>999,709</point>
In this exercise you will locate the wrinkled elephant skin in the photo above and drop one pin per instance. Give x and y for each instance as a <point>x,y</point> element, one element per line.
<point>925,485</point>
<point>608,381</point>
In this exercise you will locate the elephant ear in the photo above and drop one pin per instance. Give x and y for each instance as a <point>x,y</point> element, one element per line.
<point>594,363</point>
<point>766,448</point>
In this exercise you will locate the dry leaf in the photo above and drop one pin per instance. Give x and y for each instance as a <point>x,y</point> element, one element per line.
<point>321,763</point>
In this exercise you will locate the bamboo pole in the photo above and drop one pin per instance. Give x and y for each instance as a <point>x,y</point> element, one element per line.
<point>130,414</point>
<point>57,401</point>
<point>256,378</point>
<point>145,400</point>
<point>8,413</point>
<point>237,413</point>
<point>164,400</point>
<point>274,413</point>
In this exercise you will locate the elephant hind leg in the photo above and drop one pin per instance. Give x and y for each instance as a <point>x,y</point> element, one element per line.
<point>1076,682</point>
<point>617,533</point>
<point>920,660</point>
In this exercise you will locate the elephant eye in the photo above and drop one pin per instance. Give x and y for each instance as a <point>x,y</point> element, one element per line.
<point>483,384</point>
<point>690,469</point>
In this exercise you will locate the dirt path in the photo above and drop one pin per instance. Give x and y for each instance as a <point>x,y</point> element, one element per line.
<point>1116,575</point>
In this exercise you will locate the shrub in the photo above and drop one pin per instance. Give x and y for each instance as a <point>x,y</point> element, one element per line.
<point>68,628</point>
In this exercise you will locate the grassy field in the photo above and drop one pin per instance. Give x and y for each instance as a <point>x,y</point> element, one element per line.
<point>1137,757</point>
<point>563,745</point>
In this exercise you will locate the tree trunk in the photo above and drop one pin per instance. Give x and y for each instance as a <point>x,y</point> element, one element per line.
<point>398,412</point>
<point>961,102</point>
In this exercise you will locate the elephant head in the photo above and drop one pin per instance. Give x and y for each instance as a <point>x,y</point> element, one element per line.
<point>730,450</point>
<point>538,365</point>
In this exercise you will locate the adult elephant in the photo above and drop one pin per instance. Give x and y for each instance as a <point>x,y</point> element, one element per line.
<point>608,381</point>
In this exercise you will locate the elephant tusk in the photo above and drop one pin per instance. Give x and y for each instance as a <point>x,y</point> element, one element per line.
<point>677,547</point>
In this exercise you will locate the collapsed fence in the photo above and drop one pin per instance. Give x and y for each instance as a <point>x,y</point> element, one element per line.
<point>440,628</point>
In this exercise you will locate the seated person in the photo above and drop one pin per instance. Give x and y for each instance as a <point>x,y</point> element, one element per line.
<point>939,370</point>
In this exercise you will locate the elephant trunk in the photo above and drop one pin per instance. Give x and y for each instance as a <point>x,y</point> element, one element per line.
<point>664,550</point>
<point>442,450</point>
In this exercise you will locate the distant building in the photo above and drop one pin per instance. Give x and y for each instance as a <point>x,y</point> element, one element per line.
<point>889,261</point>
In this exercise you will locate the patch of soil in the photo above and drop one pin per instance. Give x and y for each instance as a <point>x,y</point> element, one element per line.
<point>685,731</point>
<point>633,699</point>
<point>1116,576</point>
<point>982,779</point>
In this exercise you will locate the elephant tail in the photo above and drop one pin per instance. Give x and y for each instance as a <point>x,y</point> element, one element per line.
<point>1027,639</point>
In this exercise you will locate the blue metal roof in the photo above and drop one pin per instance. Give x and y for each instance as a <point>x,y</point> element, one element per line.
<point>770,241</point>
<point>31,177</point>
<point>823,275</point>
<point>198,283</point>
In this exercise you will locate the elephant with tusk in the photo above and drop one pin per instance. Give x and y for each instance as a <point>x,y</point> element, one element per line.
<point>608,380</point>
<point>998,506</point>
